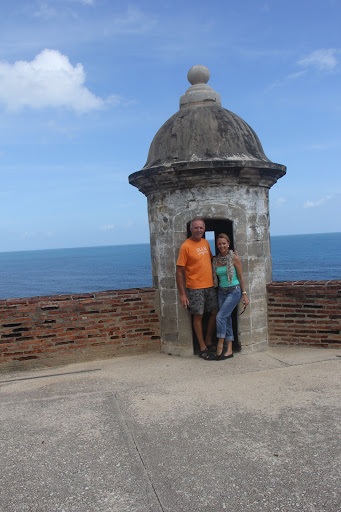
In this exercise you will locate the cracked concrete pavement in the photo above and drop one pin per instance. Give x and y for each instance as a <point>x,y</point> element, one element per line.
<point>259,432</point>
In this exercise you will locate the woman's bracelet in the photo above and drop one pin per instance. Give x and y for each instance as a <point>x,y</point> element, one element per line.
<point>244,293</point>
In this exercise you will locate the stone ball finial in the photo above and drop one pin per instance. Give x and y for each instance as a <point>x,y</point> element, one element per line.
<point>198,75</point>
<point>199,93</point>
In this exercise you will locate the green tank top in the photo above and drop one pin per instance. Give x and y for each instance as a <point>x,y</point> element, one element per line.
<point>222,276</point>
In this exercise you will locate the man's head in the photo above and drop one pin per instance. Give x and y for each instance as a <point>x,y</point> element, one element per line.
<point>197,228</point>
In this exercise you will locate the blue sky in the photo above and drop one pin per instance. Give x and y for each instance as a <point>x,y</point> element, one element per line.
<point>86,84</point>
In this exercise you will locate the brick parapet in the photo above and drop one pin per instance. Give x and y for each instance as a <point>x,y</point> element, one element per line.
<point>60,329</point>
<point>78,327</point>
<point>305,313</point>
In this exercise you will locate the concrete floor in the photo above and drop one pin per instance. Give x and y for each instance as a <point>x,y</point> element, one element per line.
<point>259,433</point>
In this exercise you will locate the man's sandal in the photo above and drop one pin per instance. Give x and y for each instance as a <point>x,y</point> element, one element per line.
<point>203,353</point>
<point>211,357</point>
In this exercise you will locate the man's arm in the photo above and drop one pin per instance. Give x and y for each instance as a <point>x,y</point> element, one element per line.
<point>181,286</point>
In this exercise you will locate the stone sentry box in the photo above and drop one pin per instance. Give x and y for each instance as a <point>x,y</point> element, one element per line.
<point>207,162</point>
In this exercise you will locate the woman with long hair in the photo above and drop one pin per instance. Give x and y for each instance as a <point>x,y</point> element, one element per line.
<point>228,276</point>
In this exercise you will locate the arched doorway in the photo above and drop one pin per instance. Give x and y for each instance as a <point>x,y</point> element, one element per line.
<point>214,227</point>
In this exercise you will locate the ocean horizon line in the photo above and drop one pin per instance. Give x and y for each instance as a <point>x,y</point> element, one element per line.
<point>42,272</point>
<point>147,243</point>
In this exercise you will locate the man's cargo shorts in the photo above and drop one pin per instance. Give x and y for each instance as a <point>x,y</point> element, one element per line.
<point>202,300</point>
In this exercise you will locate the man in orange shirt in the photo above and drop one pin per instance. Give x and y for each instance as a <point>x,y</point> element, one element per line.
<point>200,295</point>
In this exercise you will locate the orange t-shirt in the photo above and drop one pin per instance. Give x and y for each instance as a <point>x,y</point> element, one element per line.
<point>196,258</point>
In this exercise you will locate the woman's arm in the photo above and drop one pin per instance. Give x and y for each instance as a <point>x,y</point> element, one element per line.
<point>238,266</point>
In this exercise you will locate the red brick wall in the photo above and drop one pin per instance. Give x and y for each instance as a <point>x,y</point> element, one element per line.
<point>305,313</point>
<point>72,328</point>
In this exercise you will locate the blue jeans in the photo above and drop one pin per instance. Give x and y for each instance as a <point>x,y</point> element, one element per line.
<point>228,300</point>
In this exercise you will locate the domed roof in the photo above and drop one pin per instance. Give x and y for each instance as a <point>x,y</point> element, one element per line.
<point>209,132</point>
<point>202,144</point>
<point>202,130</point>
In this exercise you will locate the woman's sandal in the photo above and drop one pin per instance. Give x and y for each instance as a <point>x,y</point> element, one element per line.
<point>222,357</point>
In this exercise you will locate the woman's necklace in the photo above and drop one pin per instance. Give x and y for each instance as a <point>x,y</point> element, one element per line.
<point>223,259</point>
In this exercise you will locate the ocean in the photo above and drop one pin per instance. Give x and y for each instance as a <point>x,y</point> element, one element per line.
<point>88,269</point>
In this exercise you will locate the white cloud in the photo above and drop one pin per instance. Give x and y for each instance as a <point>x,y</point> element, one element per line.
<point>32,235</point>
<point>49,80</point>
<point>313,204</point>
<point>107,227</point>
<point>284,81</point>
<point>45,11</point>
<point>280,202</point>
<point>132,21</point>
<point>324,59</point>
<point>129,224</point>
<point>57,128</point>
<point>324,146</point>
<point>294,76</point>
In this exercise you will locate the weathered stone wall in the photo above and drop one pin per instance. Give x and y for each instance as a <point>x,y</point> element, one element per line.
<point>248,209</point>
<point>72,328</point>
<point>67,328</point>
<point>305,313</point>
<point>206,161</point>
